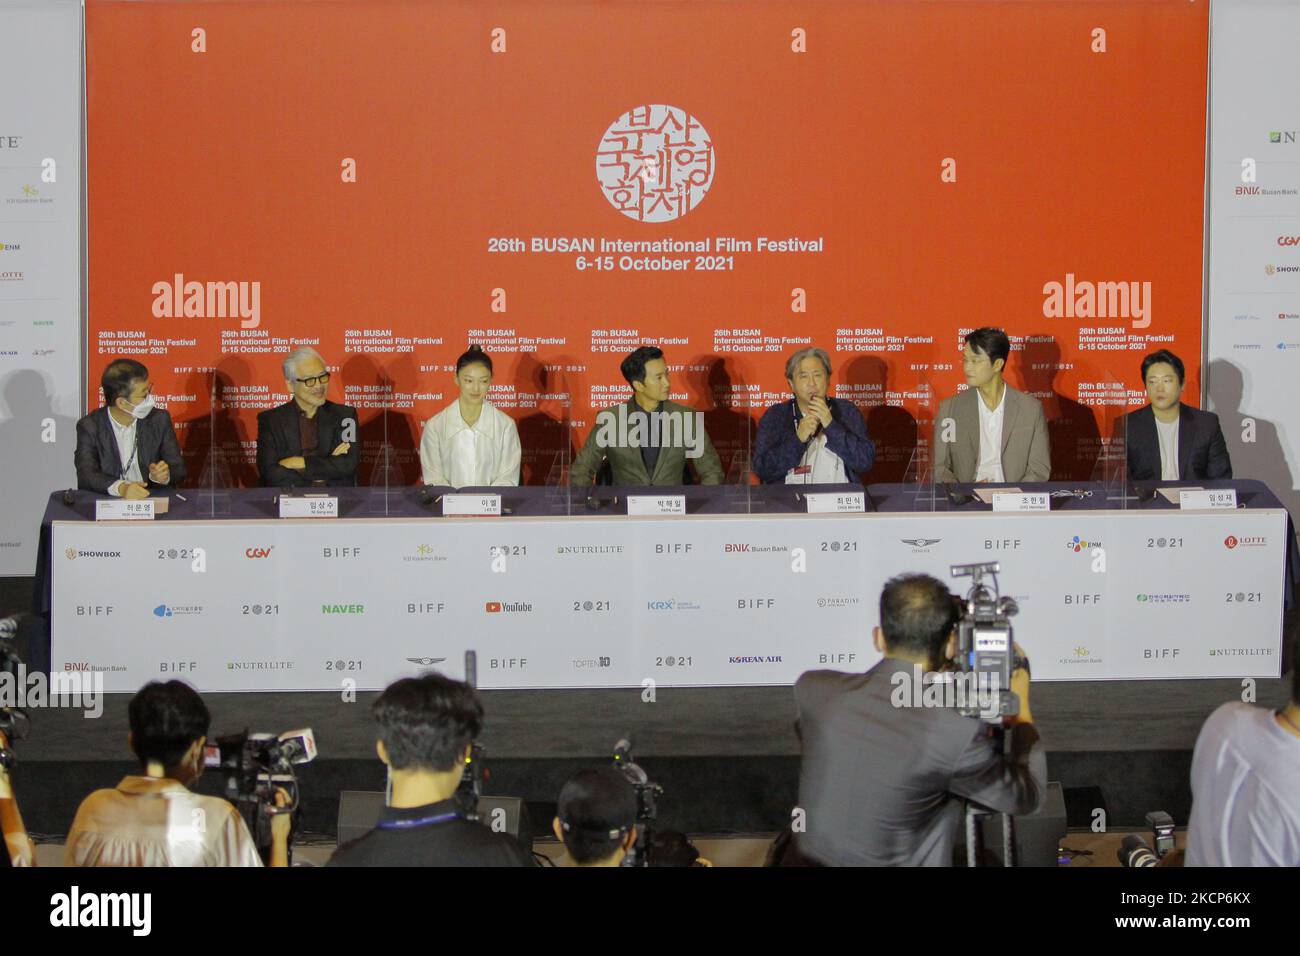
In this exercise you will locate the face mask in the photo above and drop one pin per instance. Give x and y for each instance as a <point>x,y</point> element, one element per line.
<point>142,410</point>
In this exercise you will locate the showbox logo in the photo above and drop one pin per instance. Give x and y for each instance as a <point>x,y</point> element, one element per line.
<point>655,163</point>
<point>72,554</point>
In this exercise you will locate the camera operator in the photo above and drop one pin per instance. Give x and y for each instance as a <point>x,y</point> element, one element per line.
<point>17,843</point>
<point>882,784</point>
<point>595,818</point>
<point>427,725</point>
<point>1246,786</point>
<point>154,819</point>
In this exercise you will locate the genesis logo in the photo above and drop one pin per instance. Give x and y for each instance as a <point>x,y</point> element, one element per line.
<point>921,544</point>
<point>426,661</point>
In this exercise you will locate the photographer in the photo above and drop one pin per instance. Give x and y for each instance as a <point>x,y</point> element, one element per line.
<point>595,818</point>
<point>17,843</point>
<point>1246,786</point>
<point>427,725</point>
<point>882,784</point>
<point>154,819</point>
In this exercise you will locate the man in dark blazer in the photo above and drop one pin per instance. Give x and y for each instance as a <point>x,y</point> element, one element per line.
<point>309,439</point>
<point>648,440</point>
<point>128,448</point>
<point>884,771</point>
<point>1167,440</point>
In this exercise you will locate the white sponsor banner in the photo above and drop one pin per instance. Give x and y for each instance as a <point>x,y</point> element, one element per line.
<point>601,602</point>
<point>1253,341</point>
<point>40,257</point>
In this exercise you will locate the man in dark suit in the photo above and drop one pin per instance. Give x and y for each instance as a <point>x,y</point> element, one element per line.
<point>884,770</point>
<point>1167,440</point>
<point>128,448</point>
<point>309,439</point>
<point>648,440</point>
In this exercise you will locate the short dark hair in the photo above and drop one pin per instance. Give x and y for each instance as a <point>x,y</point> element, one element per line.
<point>426,722</point>
<point>1166,356</point>
<point>474,355</point>
<point>992,342</point>
<point>596,808</point>
<point>120,377</point>
<point>165,721</point>
<point>633,367</point>
<point>917,614</point>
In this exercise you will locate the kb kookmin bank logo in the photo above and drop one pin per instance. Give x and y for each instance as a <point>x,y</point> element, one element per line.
<point>655,163</point>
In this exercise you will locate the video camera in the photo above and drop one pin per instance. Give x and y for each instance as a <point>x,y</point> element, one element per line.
<point>255,766</point>
<point>647,793</point>
<point>1135,852</point>
<point>986,644</point>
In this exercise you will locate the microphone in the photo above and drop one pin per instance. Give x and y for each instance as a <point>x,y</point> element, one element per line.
<point>68,498</point>
<point>623,749</point>
<point>471,668</point>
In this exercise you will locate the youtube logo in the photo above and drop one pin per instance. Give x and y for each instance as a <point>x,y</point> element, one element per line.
<point>492,607</point>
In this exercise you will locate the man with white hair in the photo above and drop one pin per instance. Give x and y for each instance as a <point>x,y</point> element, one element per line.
<point>308,440</point>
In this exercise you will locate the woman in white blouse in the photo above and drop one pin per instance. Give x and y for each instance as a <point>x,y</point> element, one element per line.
<point>470,442</point>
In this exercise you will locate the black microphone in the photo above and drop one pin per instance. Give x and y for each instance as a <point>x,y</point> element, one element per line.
<point>471,668</point>
<point>68,498</point>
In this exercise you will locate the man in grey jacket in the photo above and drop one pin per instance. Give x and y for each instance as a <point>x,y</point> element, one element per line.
<point>884,772</point>
<point>990,432</point>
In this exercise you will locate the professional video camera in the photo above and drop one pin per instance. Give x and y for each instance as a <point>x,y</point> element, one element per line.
<point>255,766</point>
<point>1137,853</point>
<point>470,787</point>
<point>985,643</point>
<point>14,722</point>
<point>647,793</point>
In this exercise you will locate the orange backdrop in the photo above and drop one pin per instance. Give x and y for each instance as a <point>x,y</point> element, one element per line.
<point>219,135</point>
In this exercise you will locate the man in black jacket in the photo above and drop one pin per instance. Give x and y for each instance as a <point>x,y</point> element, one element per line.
<point>1167,440</point>
<point>427,725</point>
<point>128,448</point>
<point>309,439</point>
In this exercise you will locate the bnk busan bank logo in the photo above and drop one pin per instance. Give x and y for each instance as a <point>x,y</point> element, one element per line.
<point>655,163</point>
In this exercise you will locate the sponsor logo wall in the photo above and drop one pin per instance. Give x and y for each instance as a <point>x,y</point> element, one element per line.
<point>40,264</point>
<point>659,197</point>
<point>1253,345</point>
<point>302,620</point>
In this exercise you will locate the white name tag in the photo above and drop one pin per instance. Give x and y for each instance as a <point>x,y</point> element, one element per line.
<point>1201,499</point>
<point>309,506</point>
<point>123,509</point>
<point>1021,501</point>
<point>486,505</point>
<point>829,502</point>
<point>656,504</point>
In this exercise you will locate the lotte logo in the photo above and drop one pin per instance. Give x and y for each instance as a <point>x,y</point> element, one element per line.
<point>655,163</point>
<point>1230,541</point>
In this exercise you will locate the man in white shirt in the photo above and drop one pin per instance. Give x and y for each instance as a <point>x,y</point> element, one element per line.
<point>128,448</point>
<point>471,442</point>
<point>1246,786</point>
<point>991,432</point>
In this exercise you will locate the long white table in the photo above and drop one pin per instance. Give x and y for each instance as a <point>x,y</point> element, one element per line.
<point>617,601</point>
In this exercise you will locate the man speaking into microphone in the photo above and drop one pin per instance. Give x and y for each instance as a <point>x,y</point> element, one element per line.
<point>812,438</point>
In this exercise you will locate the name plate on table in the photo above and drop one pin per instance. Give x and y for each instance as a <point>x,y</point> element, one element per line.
<point>309,506</point>
<point>1021,501</point>
<point>830,502</point>
<point>656,504</point>
<point>124,509</point>
<point>1202,499</point>
<point>474,505</point>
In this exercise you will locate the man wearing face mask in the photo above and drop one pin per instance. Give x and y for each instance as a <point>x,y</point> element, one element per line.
<point>154,819</point>
<point>308,440</point>
<point>128,448</point>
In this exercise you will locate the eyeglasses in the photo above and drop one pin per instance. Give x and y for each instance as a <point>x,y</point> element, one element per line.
<point>322,379</point>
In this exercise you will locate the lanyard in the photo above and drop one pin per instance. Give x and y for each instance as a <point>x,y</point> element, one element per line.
<point>135,448</point>
<point>417,822</point>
